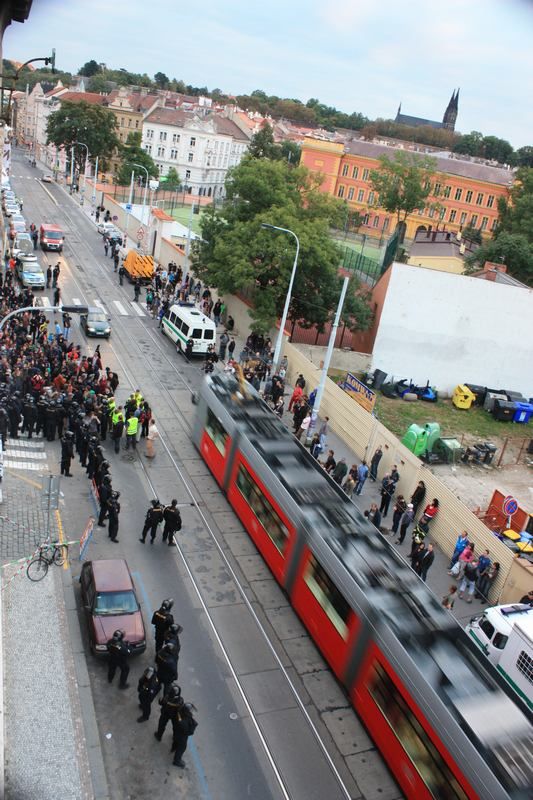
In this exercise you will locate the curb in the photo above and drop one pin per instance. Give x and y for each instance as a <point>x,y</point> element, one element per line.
<point>93,746</point>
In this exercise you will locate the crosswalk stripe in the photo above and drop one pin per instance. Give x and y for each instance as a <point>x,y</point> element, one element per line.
<point>137,309</point>
<point>99,304</point>
<point>120,308</point>
<point>46,301</point>
<point>77,301</point>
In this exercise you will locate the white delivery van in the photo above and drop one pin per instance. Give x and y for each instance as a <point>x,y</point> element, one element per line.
<point>185,321</point>
<point>505,634</point>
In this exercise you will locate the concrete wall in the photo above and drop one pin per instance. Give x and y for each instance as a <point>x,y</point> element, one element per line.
<point>454,329</point>
<point>362,433</point>
<point>340,359</point>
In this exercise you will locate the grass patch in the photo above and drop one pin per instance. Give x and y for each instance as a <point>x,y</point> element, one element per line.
<point>183,214</point>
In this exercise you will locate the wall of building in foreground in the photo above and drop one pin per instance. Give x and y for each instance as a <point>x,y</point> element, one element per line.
<point>452,329</point>
<point>362,433</point>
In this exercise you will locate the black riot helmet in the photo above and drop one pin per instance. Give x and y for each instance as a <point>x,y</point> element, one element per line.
<point>169,647</point>
<point>149,673</point>
<point>114,495</point>
<point>106,479</point>
<point>167,604</point>
<point>69,435</point>
<point>118,635</point>
<point>174,690</point>
<point>174,629</point>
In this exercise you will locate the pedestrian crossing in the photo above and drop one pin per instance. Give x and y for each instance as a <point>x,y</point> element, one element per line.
<point>27,454</point>
<point>122,308</point>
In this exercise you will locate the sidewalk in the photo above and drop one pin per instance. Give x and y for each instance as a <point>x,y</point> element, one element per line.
<point>48,718</point>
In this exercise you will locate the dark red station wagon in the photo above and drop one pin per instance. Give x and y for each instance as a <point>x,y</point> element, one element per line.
<point>110,603</point>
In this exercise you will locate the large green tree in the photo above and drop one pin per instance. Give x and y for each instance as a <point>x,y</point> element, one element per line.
<point>83,122</point>
<point>130,154</point>
<point>516,214</point>
<point>512,249</point>
<point>403,183</point>
<point>237,254</point>
<point>171,180</point>
<point>90,68</point>
<point>161,80</point>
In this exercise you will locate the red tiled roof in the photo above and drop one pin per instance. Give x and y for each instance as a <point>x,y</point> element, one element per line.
<point>170,116</point>
<point>93,98</point>
<point>158,213</point>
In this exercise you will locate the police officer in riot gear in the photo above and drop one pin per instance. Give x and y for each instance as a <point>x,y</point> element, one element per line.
<point>172,518</point>
<point>113,510</point>
<point>170,705</point>
<point>148,689</point>
<point>104,495</point>
<point>67,453</point>
<point>119,651</point>
<point>162,619</point>
<point>154,515</point>
<point>167,664</point>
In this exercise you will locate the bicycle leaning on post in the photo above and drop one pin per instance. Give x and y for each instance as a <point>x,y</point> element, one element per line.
<point>50,553</point>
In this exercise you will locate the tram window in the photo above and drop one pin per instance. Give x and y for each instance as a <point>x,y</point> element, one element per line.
<point>216,432</point>
<point>524,665</point>
<point>328,596</point>
<point>262,509</point>
<point>426,759</point>
<point>500,640</point>
<point>487,628</point>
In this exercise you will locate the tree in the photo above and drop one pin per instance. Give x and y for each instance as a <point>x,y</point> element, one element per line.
<point>83,122</point>
<point>291,151</point>
<point>237,254</point>
<point>262,144</point>
<point>470,144</point>
<point>90,68</point>
<point>172,180</point>
<point>98,84</point>
<point>516,215</point>
<point>512,249</point>
<point>403,183</point>
<point>524,156</point>
<point>161,80</point>
<point>472,234</point>
<point>498,150</point>
<point>132,153</point>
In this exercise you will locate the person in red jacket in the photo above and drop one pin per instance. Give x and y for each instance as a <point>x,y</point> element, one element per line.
<point>296,395</point>
<point>431,511</point>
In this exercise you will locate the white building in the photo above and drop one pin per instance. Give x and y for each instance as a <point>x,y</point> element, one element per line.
<point>201,149</point>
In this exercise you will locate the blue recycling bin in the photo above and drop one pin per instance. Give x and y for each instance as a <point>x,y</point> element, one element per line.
<point>523,412</point>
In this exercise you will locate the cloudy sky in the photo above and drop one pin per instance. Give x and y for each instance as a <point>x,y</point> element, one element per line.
<point>356,56</point>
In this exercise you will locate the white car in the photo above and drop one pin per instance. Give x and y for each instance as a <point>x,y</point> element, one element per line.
<point>103,227</point>
<point>12,209</point>
<point>47,178</point>
<point>22,244</point>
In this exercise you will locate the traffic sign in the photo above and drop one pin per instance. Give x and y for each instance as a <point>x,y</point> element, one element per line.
<point>128,207</point>
<point>510,505</point>
<point>140,233</point>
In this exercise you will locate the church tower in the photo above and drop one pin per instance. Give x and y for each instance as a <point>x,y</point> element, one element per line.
<point>450,115</point>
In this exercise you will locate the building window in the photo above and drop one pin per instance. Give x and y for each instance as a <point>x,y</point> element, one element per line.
<point>161,152</point>
<point>436,190</point>
<point>490,201</point>
<point>484,223</point>
<point>442,213</point>
<point>524,664</point>
<point>375,222</point>
<point>473,221</point>
<point>162,136</point>
<point>479,199</point>
<point>458,194</point>
<point>447,191</point>
<point>216,432</point>
<point>386,224</point>
<point>371,198</point>
<point>366,219</point>
<point>355,173</point>
<point>192,143</point>
<point>129,123</point>
<point>136,123</point>
<point>328,596</point>
<point>494,225</point>
<point>187,174</point>
<point>190,158</point>
<point>431,213</point>
<point>340,193</point>
<point>175,138</point>
<point>173,154</point>
<point>463,218</point>
<point>345,170</point>
<point>149,133</point>
<point>350,193</point>
<point>437,776</point>
<point>366,173</point>
<point>361,196</point>
<point>148,148</point>
<point>468,198</point>
<point>453,215</point>
<point>262,509</point>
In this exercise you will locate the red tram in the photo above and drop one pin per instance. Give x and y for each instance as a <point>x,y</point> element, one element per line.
<point>440,714</point>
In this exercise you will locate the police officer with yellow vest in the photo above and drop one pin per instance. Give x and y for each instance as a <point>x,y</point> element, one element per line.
<point>132,426</point>
<point>117,422</point>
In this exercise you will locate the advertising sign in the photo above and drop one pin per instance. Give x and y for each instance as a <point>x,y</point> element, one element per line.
<point>360,393</point>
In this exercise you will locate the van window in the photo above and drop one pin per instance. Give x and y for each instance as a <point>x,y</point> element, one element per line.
<point>196,333</point>
<point>500,640</point>
<point>208,334</point>
<point>487,628</point>
<point>172,316</point>
<point>185,329</point>
<point>524,665</point>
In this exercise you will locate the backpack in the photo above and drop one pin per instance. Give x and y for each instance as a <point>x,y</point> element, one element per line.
<point>189,725</point>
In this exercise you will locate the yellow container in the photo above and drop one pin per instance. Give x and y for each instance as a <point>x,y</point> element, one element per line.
<point>462,396</point>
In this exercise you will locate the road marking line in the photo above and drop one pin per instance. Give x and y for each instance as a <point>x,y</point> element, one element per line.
<point>137,309</point>
<point>120,308</point>
<point>77,301</point>
<point>15,465</point>
<point>99,304</point>
<point>50,195</point>
<point>46,301</point>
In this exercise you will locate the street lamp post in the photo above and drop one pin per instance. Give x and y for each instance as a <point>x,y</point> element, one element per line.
<point>95,181</point>
<point>145,190</point>
<point>279,342</point>
<point>81,144</point>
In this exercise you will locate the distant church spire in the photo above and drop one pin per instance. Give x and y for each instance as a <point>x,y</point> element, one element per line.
<point>450,115</point>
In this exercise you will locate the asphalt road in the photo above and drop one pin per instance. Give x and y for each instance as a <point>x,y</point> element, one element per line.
<point>272,721</point>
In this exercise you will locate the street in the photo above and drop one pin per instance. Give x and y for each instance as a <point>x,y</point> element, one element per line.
<point>272,721</point>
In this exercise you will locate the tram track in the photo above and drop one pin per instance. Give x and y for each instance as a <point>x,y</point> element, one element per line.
<point>165,440</point>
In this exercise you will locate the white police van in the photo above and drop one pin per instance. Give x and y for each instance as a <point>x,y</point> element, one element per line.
<point>184,321</point>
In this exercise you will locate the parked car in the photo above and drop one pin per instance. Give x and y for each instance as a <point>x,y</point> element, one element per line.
<point>17,218</point>
<point>109,603</point>
<point>29,271</point>
<point>22,243</point>
<point>8,198</point>
<point>113,236</point>
<point>47,178</point>
<point>11,208</point>
<point>15,228</point>
<point>95,323</point>
<point>102,227</point>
